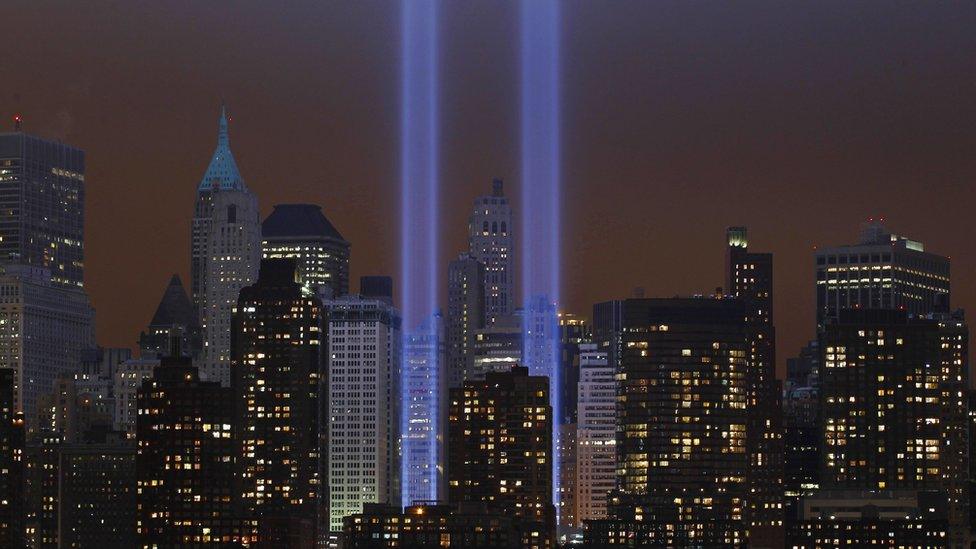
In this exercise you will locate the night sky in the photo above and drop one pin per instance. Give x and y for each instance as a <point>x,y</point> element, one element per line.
<point>797,120</point>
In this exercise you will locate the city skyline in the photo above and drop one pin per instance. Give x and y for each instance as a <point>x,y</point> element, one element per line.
<point>805,147</point>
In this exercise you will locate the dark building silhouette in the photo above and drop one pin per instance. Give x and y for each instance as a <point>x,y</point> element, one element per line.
<point>465,315</point>
<point>301,232</point>
<point>174,317</point>
<point>749,279</point>
<point>881,271</point>
<point>42,195</point>
<point>276,381</point>
<point>376,287</point>
<point>12,442</point>
<point>683,418</point>
<point>500,451</point>
<point>97,495</point>
<point>433,524</point>
<point>573,331</point>
<point>894,409</point>
<point>185,462</point>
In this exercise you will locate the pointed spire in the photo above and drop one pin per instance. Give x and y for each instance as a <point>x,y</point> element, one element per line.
<point>222,173</point>
<point>223,138</point>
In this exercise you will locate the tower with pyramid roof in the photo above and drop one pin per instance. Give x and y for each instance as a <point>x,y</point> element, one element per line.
<point>225,252</point>
<point>175,317</point>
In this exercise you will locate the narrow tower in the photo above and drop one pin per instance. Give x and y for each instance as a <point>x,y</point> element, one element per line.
<point>226,252</point>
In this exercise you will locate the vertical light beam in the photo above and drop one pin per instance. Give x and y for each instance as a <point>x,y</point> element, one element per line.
<point>540,97</point>
<point>421,365</point>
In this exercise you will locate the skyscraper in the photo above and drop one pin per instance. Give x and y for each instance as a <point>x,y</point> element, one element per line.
<point>275,358</point>
<point>185,462</point>
<point>424,413</point>
<point>749,279</point>
<point>573,332</point>
<point>226,250</point>
<point>174,317</point>
<point>42,198</point>
<point>45,330</point>
<point>881,271</point>
<point>465,315</point>
<point>491,241</point>
<point>500,432</point>
<point>894,407</point>
<point>303,233</point>
<point>595,434</point>
<point>364,348</point>
<point>682,418</point>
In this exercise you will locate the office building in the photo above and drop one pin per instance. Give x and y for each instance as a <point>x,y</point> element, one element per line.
<point>303,233</point>
<point>42,197</point>
<point>595,434</point>
<point>749,279</point>
<point>424,413</point>
<point>465,315</point>
<point>275,363</point>
<point>573,332</point>
<point>96,495</point>
<point>565,475</point>
<point>894,407</point>
<point>225,253</point>
<point>500,450</point>
<point>881,271</point>
<point>682,418</point>
<point>364,345</point>
<point>185,461</point>
<point>45,330</point>
<point>497,347</point>
<point>174,317</point>
<point>491,241</point>
<point>128,378</point>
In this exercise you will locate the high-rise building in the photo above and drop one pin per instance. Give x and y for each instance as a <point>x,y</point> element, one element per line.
<point>42,201</point>
<point>465,315</point>
<point>881,271</point>
<point>185,461</point>
<point>96,496</point>
<point>226,251</point>
<point>424,418</point>
<point>573,332</point>
<point>491,241</point>
<point>275,363</point>
<point>301,232</point>
<point>894,407</point>
<point>174,317</point>
<point>364,346</point>
<point>566,488</point>
<point>500,451</point>
<point>498,347</point>
<point>129,376</point>
<point>682,418</point>
<point>45,330</point>
<point>749,279</point>
<point>595,434</point>
<point>12,442</point>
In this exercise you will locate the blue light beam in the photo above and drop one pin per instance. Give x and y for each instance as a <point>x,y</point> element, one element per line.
<point>421,422</point>
<point>540,95</point>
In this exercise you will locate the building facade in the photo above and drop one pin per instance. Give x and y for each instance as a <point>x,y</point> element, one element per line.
<point>491,241</point>
<point>174,318</point>
<point>303,233</point>
<point>185,461</point>
<point>595,434</point>
<point>42,197</point>
<point>364,345</point>
<point>424,418</point>
<point>276,382</point>
<point>881,271</point>
<point>465,315</point>
<point>225,253</point>
<point>501,451</point>
<point>45,330</point>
